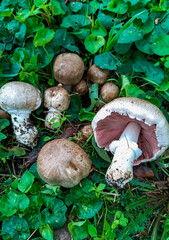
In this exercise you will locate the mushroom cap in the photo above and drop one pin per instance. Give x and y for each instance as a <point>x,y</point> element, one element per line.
<point>81,87</point>
<point>57,97</point>
<point>109,91</point>
<point>97,75</point>
<point>111,120</point>
<point>63,163</point>
<point>68,68</point>
<point>19,96</point>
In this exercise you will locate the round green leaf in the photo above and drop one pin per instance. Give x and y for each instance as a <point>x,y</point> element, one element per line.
<point>160,45</point>
<point>26,181</point>
<point>43,36</point>
<point>15,228</point>
<point>93,43</point>
<point>107,61</point>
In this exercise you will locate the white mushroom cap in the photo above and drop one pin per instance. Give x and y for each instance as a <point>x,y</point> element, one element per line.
<point>63,163</point>
<point>57,97</point>
<point>19,96</point>
<point>111,120</point>
<point>68,68</point>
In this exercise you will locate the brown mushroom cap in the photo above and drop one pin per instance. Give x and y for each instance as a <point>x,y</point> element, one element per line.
<point>112,119</point>
<point>97,75</point>
<point>57,97</point>
<point>4,114</point>
<point>109,91</point>
<point>81,87</point>
<point>68,68</point>
<point>63,163</point>
<point>86,132</point>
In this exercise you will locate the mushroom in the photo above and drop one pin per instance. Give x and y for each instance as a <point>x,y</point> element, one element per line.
<point>81,87</point>
<point>96,74</point>
<point>63,163</point>
<point>19,99</point>
<point>68,68</point>
<point>109,91</point>
<point>4,114</point>
<point>86,132</point>
<point>57,100</point>
<point>135,131</point>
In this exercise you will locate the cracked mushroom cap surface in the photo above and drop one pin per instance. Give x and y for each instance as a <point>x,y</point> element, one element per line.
<point>112,119</point>
<point>19,96</point>
<point>63,163</point>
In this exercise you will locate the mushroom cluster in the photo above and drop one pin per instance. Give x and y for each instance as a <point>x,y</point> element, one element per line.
<point>135,131</point>
<point>63,163</point>
<point>19,99</point>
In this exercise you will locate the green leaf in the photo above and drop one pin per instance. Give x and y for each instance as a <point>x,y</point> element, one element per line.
<point>26,182</point>
<point>78,230</point>
<point>92,230</point>
<point>107,61</point>
<point>76,6</point>
<point>55,7</point>
<point>133,90</point>
<point>75,21</point>
<point>101,152</point>
<point>143,16</point>
<point>2,136</point>
<point>6,12</point>
<point>117,6</point>
<point>85,115</point>
<point>57,218</point>
<point>39,3</point>
<point>93,43</point>
<point>43,36</point>
<point>22,15</point>
<point>15,228</point>
<point>18,55</point>
<point>18,151</point>
<point>160,45</point>
<point>64,39</point>
<point>74,108</point>
<point>33,24</point>
<point>4,123</point>
<point>131,34</point>
<point>98,29</point>
<point>46,232</point>
<point>33,217</point>
<point>12,202</point>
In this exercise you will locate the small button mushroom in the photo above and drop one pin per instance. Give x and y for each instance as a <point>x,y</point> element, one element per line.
<point>68,68</point>
<point>4,114</point>
<point>19,99</point>
<point>63,163</point>
<point>135,131</point>
<point>57,100</point>
<point>86,132</point>
<point>97,75</point>
<point>81,87</point>
<point>109,91</point>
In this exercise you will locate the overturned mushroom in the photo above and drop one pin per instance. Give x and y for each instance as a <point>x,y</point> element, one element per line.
<point>19,99</point>
<point>63,163</point>
<point>57,100</point>
<point>68,68</point>
<point>135,131</point>
<point>97,75</point>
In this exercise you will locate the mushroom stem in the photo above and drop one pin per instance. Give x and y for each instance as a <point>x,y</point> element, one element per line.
<point>125,152</point>
<point>53,114</point>
<point>25,132</point>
